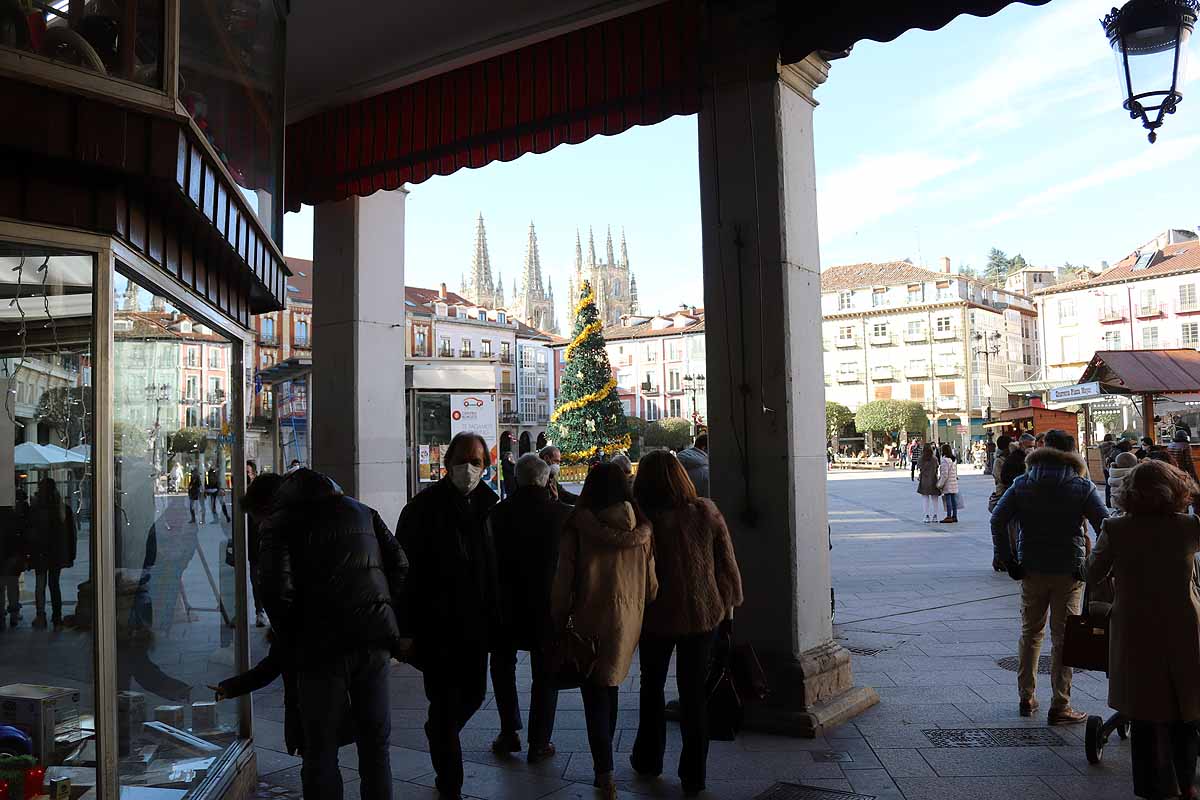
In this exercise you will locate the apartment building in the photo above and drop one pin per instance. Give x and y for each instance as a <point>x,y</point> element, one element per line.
<point>903,332</point>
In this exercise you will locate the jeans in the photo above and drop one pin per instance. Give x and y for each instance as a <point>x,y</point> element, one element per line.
<point>258,607</point>
<point>600,714</point>
<point>10,585</point>
<point>543,703</point>
<point>39,592</point>
<point>951,501</point>
<point>691,669</point>
<point>193,504</point>
<point>1164,758</point>
<point>362,676</point>
<point>455,687</point>
<point>216,499</point>
<point>1042,595</point>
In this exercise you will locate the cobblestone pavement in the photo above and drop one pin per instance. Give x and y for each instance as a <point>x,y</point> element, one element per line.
<point>928,621</point>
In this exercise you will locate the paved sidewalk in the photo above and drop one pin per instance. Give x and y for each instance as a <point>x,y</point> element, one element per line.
<point>928,619</point>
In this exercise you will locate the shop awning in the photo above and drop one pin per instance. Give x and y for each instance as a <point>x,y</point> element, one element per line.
<point>635,69</point>
<point>287,370</point>
<point>1145,372</point>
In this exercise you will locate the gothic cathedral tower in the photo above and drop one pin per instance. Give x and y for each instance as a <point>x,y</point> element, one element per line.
<point>616,289</point>
<point>535,304</point>
<point>478,287</point>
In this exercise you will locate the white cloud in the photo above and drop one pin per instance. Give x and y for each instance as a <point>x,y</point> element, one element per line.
<point>1148,159</point>
<point>876,186</point>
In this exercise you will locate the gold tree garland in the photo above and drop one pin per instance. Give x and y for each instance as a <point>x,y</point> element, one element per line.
<point>586,301</point>
<point>624,443</point>
<point>588,330</point>
<point>585,400</point>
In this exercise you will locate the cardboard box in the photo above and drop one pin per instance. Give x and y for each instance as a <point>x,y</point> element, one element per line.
<point>46,713</point>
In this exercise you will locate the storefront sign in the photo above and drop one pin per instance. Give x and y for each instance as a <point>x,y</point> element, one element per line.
<point>476,413</point>
<point>1075,393</point>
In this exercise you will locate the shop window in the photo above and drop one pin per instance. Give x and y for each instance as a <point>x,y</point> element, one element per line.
<point>175,594</point>
<point>46,497</point>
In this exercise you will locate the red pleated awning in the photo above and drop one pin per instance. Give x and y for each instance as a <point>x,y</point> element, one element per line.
<point>638,69</point>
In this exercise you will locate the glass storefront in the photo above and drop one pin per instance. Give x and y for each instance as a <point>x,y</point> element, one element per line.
<point>121,603</point>
<point>437,417</point>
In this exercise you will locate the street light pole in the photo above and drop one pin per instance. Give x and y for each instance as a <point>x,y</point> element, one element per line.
<point>693,384</point>
<point>990,347</point>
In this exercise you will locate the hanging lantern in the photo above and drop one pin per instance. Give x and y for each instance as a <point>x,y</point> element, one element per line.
<point>1149,39</point>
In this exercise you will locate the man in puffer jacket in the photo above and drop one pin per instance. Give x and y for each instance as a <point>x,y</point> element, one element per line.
<point>332,574</point>
<point>1051,501</point>
<point>695,461</point>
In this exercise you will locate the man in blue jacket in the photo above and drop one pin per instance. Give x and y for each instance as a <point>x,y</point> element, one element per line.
<point>1051,502</point>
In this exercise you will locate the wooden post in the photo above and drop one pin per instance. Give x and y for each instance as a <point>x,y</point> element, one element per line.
<point>1148,416</point>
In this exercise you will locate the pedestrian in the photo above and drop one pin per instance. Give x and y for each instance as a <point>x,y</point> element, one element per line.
<point>215,492</point>
<point>508,473</point>
<point>604,580</point>
<point>622,461</point>
<point>1027,442</point>
<point>695,461</point>
<point>1107,454</point>
<point>553,456</point>
<point>332,578</point>
<point>196,494</point>
<point>990,450</point>
<point>927,486</point>
<point>526,528</point>
<point>914,457</point>
<point>1117,473</point>
<point>699,585</point>
<point>997,467</point>
<point>176,478</point>
<point>13,559</point>
<point>1050,502</point>
<point>1180,449</point>
<point>1154,627</point>
<point>947,483</point>
<point>1039,441</point>
<point>453,599</point>
<point>252,551</point>
<point>50,540</point>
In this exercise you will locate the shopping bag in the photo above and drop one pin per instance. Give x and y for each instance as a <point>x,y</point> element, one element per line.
<point>571,658</point>
<point>1085,642</point>
<point>725,710</point>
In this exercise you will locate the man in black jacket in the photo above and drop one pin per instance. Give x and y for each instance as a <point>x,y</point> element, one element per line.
<point>526,528</point>
<point>452,599</point>
<point>553,456</point>
<point>331,575</point>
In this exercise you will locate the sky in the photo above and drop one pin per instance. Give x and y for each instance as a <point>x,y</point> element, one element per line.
<point>1001,132</point>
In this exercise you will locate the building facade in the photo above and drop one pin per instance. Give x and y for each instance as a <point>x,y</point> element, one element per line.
<point>1147,301</point>
<point>611,278</point>
<point>895,331</point>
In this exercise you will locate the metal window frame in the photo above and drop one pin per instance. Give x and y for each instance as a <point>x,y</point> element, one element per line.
<point>110,257</point>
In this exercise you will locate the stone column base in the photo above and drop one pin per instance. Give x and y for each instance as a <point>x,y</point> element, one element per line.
<point>809,694</point>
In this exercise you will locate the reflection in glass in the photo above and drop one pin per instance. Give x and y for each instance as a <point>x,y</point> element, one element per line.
<point>46,657</point>
<point>230,81</point>
<point>433,435</point>
<point>119,38</point>
<point>176,603</point>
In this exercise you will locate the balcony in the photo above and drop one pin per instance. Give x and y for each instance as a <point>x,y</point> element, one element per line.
<point>916,337</point>
<point>845,342</point>
<point>304,342</point>
<point>881,340</point>
<point>506,358</point>
<point>849,377</point>
<point>215,398</point>
<point>1112,315</point>
<point>919,369</point>
<point>943,335</point>
<point>510,418</point>
<point>507,388</point>
<point>648,388</point>
<point>944,370</point>
<point>445,352</point>
<point>1187,307</point>
<point>947,402</point>
<point>542,391</point>
<point>883,374</point>
<point>268,340</point>
<point>465,353</point>
<point>1149,311</point>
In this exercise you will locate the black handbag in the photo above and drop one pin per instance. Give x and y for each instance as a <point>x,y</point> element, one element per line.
<point>725,708</point>
<point>571,657</point>
<point>1085,640</point>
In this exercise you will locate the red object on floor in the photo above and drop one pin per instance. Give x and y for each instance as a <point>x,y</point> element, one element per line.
<point>33,782</point>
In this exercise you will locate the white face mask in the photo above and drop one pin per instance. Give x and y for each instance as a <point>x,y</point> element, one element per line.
<point>554,472</point>
<point>465,477</point>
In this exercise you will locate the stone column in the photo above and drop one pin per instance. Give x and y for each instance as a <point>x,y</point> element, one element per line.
<point>357,428</point>
<point>762,288</point>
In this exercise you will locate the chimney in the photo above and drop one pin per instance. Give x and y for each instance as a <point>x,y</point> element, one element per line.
<point>442,291</point>
<point>946,264</point>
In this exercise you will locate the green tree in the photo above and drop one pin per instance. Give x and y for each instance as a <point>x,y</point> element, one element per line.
<point>187,440</point>
<point>129,439</point>
<point>673,434</point>
<point>890,416</point>
<point>837,417</point>
<point>1015,263</point>
<point>996,269</point>
<point>589,419</point>
<point>68,411</point>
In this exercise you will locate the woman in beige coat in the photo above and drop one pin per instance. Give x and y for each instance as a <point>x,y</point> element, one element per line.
<point>699,584</point>
<point>604,580</point>
<point>1154,636</point>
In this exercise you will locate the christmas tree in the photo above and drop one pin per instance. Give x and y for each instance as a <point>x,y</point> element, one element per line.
<point>589,418</point>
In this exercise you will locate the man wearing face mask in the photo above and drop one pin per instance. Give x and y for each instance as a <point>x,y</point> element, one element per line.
<point>452,599</point>
<point>553,456</point>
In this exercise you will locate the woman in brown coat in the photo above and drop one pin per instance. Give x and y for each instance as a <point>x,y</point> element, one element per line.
<point>1154,639</point>
<point>604,580</point>
<point>698,585</point>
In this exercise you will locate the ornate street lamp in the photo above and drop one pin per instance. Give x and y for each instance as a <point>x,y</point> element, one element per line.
<point>1149,38</point>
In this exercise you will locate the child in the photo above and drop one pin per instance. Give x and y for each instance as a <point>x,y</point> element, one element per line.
<point>1122,465</point>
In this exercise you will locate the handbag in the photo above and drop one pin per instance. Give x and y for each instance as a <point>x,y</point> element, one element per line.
<point>1085,640</point>
<point>725,708</point>
<point>749,677</point>
<point>571,657</point>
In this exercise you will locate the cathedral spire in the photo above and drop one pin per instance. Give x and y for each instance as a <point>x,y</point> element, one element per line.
<point>608,249</point>
<point>130,301</point>
<point>591,262</point>
<point>500,290</point>
<point>578,253</point>
<point>532,278</point>
<point>633,298</point>
<point>481,290</point>
<point>624,252</point>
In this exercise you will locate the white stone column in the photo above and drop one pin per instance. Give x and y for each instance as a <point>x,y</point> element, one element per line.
<point>357,428</point>
<point>764,358</point>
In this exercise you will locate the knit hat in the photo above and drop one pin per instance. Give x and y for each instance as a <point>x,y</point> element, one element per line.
<point>1126,460</point>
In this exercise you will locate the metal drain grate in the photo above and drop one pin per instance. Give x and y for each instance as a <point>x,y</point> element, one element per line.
<point>993,737</point>
<point>794,791</point>
<point>865,651</point>
<point>831,757</point>
<point>1012,664</point>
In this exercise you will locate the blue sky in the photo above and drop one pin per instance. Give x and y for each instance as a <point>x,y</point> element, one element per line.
<point>1002,132</point>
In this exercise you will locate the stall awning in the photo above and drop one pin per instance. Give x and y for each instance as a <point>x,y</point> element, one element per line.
<point>287,370</point>
<point>1145,371</point>
<point>636,69</point>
